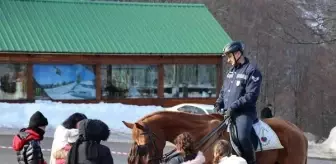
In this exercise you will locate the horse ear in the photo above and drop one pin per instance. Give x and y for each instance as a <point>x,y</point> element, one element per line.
<point>139,126</point>
<point>129,125</point>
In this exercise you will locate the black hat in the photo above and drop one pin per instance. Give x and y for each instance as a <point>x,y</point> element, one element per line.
<point>37,119</point>
<point>233,46</point>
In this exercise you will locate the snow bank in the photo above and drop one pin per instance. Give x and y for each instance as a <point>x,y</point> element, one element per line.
<point>311,137</point>
<point>330,143</point>
<point>326,149</point>
<point>17,115</point>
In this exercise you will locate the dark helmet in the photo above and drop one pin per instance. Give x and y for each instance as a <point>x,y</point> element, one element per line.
<point>234,46</point>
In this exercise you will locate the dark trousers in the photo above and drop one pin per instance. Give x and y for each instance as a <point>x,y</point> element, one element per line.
<point>244,128</point>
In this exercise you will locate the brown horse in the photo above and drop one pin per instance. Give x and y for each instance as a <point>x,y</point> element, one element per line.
<point>151,132</point>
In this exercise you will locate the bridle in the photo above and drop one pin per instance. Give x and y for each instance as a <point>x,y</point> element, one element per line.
<point>142,150</point>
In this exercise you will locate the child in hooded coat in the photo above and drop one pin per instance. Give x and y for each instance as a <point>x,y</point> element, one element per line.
<point>87,149</point>
<point>27,142</point>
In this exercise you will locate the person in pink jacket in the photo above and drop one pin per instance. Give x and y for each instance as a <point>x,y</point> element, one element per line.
<point>63,131</point>
<point>62,154</point>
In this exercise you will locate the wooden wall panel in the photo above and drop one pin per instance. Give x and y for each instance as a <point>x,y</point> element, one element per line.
<point>30,83</point>
<point>98,83</point>
<point>160,60</point>
<point>219,72</point>
<point>160,81</point>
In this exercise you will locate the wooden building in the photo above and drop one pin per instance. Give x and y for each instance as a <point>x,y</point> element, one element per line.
<point>89,52</point>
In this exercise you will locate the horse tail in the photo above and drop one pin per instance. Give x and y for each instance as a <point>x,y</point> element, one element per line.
<point>306,160</point>
<point>306,149</point>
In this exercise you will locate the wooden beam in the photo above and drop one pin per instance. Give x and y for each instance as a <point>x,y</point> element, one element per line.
<point>160,81</point>
<point>220,78</point>
<point>167,102</point>
<point>30,82</point>
<point>98,79</point>
<point>113,59</point>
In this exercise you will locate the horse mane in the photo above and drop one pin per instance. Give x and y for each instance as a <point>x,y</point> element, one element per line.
<point>150,115</point>
<point>153,115</point>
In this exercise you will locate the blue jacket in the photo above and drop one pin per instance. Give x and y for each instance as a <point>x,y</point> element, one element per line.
<point>241,89</point>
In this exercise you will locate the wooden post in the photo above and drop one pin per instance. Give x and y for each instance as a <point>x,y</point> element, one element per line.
<point>98,82</point>
<point>30,82</point>
<point>160,81</point>
<point>219,75</point>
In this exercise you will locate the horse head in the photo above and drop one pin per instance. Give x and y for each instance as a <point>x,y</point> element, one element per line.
<point>148,143</point>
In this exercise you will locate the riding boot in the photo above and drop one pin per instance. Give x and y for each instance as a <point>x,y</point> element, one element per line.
<point>250,157</point>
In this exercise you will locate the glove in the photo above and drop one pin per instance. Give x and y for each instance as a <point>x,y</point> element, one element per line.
<point>228,112</point>
<point>217,108</point>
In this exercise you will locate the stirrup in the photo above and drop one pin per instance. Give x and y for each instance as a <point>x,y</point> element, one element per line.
<point>253,158</point>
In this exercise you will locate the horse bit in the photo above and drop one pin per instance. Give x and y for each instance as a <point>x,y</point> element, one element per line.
<point>141,150</point>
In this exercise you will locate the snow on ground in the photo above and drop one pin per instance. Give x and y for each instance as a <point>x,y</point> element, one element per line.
<point>330,143</point>
<point>14,116</point>
<point>326,149</point>
<point>17,115</point>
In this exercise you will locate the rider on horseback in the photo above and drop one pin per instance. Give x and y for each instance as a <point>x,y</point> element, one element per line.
<point>239,95</point>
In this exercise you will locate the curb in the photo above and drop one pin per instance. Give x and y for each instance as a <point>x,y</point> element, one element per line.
<point>49,150</point>
<point>321,158</point>
<point>123,153</point>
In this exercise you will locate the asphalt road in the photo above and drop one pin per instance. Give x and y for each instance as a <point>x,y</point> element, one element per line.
<point>119,151</point>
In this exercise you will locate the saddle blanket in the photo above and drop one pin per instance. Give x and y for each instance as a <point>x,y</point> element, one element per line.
<point>268,138</point>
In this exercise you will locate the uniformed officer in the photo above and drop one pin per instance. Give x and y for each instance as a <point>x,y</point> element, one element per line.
<point>239,95</point>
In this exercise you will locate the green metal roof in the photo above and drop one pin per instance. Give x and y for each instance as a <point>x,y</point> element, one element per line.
<point>108,27</point>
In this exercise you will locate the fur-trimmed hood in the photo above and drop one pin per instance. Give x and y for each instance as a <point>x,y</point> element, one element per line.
<point>94,130</point>
<point>87,147</point>
<point>61,138</point>
<point>233,159</point>
<point>200,159</point>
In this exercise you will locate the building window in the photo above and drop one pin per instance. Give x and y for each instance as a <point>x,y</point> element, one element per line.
<point>64,81</point>
<point>13,81</point>
<point>190,81</point>
<point>129,81</point>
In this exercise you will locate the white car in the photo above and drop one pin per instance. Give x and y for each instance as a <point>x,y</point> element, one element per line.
<point>192,108</point>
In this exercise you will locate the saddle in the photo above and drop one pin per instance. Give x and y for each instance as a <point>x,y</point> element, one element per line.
<point>235,144</point>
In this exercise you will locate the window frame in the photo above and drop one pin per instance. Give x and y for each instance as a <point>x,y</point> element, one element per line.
<point>217,78</point>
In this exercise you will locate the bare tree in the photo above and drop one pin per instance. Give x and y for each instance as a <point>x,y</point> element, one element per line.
<point>293,42</point>
<point>313,16</point>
